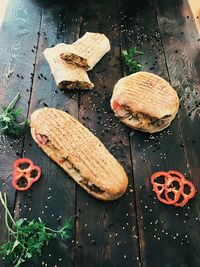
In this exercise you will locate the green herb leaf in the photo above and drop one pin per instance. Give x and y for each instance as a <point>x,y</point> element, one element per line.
<point>9,123</point>
<point>19,222</point>
<point>129,58</point>
<point>28,238</point>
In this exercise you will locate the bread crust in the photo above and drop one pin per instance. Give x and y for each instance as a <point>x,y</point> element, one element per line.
<point>147,95</point>
<point>87,51</point>
<point>85,158</point>
<point>66,75</point>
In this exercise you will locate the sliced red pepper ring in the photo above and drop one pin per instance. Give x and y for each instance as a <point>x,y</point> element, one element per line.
<point>185,196</point>
<point>176,174</point>
<point>22,164</point>
<point>18,186</point>
<point>34,173</point>
<point>30,173</point>
<point>168,187</point>
<point>115,105</point>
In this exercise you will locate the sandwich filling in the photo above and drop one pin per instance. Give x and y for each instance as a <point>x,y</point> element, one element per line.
<point>65,163</point>
<point>75,59</point>
<point>75,85</point>
<point>140,121</point>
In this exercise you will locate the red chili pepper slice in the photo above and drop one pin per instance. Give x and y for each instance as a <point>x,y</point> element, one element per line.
<point>115,105</point>
<point>168,187</point>
<point>27,173</point>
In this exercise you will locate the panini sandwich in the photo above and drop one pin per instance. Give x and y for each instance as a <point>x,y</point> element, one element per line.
<point>66,75</point>
<point>74,148</point>
<point>145,102</point>
<point>87,51</point>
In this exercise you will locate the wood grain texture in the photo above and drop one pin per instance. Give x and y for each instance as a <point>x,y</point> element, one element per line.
<point>106,232</point>
<point>182,56</point>
<point>17,50</point>
<point>135,230</point>
<point>53,197</point>
<point>162,151</point>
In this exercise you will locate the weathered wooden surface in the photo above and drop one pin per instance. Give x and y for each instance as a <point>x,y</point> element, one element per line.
<point>162,151</point>
<point>103,239</point>
<point>135,230</point>
<point>53,197</point>
<point>18,44</point>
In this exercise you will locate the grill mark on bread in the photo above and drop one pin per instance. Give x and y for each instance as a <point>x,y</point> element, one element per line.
<point>55,146</point>
<point>85,153</point>
<point>70,166</point>
<point>145,93</point>
<point>64,72</point>
<point>87,50</point>
<point>85,47</point>
<point>93,170</point>
<point>113,179</point>
<point>77,155</point>
<point>142,92</point>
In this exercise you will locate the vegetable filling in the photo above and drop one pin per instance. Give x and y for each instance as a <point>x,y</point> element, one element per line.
<point>72,58</point>
<point>74,84</point>
<point>140,119</point>
<point>72,169</point>
<point>92,186</point>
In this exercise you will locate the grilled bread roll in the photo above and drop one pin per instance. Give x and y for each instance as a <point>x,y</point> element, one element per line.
<point>74,148</point>
<point>145,102</point>
<point>87,51</point>
<point>67,76</point>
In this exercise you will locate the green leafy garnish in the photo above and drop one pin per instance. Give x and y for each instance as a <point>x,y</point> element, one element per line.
<point>129,57</point>
<point>9,123</point>
<point>26,239</point>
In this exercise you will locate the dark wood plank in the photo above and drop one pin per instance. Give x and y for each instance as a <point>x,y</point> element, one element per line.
<point>106,232</point>
<point>18,44</point>
<point>181,46</point>
<point>53,197</point>
<point>167,235</point>
<point>182,55</point>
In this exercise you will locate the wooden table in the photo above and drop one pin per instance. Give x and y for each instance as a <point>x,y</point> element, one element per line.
<point>135,230</point>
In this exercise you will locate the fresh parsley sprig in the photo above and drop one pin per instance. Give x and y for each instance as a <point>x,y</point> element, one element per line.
<point>9,123</point>
<point>129,57</point>
<point>26,239</point>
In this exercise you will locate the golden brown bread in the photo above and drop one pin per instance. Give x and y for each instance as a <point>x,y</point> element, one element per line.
<point>87,50</point>
<point>72,146</point>
<point>67,76</point>
<point>145,102</point>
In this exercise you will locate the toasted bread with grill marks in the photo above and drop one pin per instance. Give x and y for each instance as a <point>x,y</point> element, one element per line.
<point>82,155</point>
<point>87,51</point>
<point>145,102</point>
<point>66,75</point>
